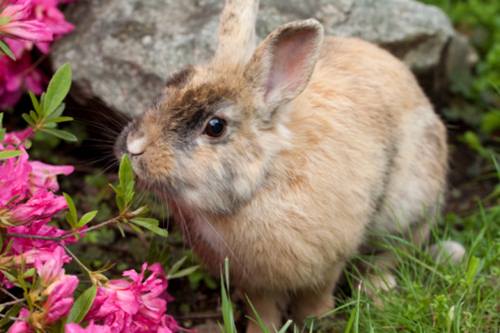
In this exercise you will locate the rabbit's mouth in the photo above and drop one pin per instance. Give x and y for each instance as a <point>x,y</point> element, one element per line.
<point>120,146</point>
<point>132,142</point>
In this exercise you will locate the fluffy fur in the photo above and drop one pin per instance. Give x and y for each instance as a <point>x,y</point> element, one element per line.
<point>329,143</point>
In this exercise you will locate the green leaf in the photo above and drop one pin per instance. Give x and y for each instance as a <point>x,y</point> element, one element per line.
<point>2,130</point>
<point>258,319</point>
<point>227,306</point>
<point>9,276</point>
<point>5,49</point>
<point>6,154</point>
<point>35,102</point>
<point>175,272</point>
<point>34,116</point>
<point>57,90</point>
<point>65,135</point>
<point>71,216</point>
<point>4,19</point>
<point>12,312</point>
<point>82,305</point>
<point>28,119</point>
<point>490,122</point>
<point>150,224</point>
<point>183,272</point>
<point>125,173</point>
<point>115,189</point>
<point>29,273</point>
<point>473,268</point>
<point>86,218</point>
<point>175,267</point>
<point>120,229</point>
<point>474,142</point>
<point>57,112</point>
<point>125,187</point>
<point>42,101</point>
<point>60,119</point>
<point>136,229</point>
<point>285,327</point>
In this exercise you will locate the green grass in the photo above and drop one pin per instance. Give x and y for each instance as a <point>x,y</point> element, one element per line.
<point>430,296</point>
<point>433,297</point>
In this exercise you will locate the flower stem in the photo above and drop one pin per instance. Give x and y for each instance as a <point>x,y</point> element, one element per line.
<point>4,305</point>
<point>11,318</point>
<point>97,226</point>
<point>60,241</point>
<point>65,235</point>
<point>8,293</point>
<point>81,264</point>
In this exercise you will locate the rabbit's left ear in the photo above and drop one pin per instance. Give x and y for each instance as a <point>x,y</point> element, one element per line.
<point>282,65</point>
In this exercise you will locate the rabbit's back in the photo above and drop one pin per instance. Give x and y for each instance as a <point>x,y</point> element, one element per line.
<point>385,128</point>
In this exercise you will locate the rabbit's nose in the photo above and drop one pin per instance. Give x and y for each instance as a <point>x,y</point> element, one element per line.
<point>136,145</point>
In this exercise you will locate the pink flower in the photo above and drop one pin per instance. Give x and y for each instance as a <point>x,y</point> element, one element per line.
<point>24,23</point>
<point>16,138</point>
<point>59,287</point>
<point>28,204</point>
<point>14,23</point>
<point>18,76</point>
<point>44,175</point>
<point>51,270</point>
<point>168,325</point>
<point>136,304</point>
<point>31,249</point>
<point>14,175</point>
<point>91,328</point>
<point>27,185</point>
<point>60,298</point>
<point>46,11</point>
<point>39,207</point>
<point>56,297</point>
<point>21,326</point>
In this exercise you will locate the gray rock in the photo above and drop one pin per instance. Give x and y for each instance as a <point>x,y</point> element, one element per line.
<point>123,50</point>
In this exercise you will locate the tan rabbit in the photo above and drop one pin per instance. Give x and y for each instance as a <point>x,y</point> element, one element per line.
<point>288,156</point>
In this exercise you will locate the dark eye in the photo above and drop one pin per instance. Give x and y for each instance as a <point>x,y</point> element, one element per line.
<point>215,127</point>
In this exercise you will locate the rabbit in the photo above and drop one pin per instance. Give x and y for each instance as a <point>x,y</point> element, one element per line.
<point>289,157</point>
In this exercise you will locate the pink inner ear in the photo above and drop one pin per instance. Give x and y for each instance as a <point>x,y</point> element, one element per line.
<point>290,60</point>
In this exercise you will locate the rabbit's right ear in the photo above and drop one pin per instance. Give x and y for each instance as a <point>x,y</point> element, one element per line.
<point>237,39</point>
<point>282,65</point>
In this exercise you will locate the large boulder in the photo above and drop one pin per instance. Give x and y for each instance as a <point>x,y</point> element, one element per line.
<point>123,50</point>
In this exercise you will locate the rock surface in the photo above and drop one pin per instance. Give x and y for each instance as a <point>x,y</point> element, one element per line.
<point>123,50</point>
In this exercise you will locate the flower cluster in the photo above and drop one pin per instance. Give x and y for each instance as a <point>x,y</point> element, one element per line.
<point>23,25</point>
<point>28,202</point>
<point>135,304</point>
<point>55,293</point>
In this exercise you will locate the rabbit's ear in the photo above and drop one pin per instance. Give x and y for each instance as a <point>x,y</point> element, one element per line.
<point>237,39</point>
<point>283,63</point>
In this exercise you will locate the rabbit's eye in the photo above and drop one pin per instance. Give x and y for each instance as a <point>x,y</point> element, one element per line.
<point>215,127</point>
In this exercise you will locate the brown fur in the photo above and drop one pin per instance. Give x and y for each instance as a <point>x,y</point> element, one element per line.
<point>306,173</point>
